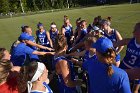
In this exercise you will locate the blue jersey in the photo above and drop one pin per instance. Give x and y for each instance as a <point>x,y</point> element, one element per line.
<point>100,82</point>
<point>53,35</point>
<point>42,37</point>
<point>68,34</point>
<point>19,53</point>
<point>68,31</point>
<point>33,57</point>
<point>132,57</point>
<point>83,34</point>
<point>32,38</point>
<point>113,38</point>
<point>62,87</point>
<point>87,56</point>
<point>48,90</point>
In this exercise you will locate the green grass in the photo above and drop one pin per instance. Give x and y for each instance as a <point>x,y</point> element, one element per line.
<point>124,17</point>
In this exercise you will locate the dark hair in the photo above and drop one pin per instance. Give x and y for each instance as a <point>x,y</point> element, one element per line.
<point>78,22</point>
<point>66,17</point>
<point>2,53</point>
<point>137,26</point>
<point>60,42</point>
<point>99,17</point>
<point>23,28</point>
<point>53,23</point>
<point>89,28</point>
<point>97,20</point>
<point>26,74</point>
<point>110,54</point>
<point>78,19</point>
<point>5,68</point>
<point>109,18</point>
<point>83,21</point>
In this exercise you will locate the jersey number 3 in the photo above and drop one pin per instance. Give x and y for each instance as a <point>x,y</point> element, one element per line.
<point>133,59</point>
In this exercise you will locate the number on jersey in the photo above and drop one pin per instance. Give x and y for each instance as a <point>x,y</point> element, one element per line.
<point>133,59</point>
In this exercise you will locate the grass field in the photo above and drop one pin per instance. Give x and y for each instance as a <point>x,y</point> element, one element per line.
<point>123,16</point>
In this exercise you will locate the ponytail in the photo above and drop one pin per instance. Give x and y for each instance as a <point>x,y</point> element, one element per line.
<point>78,20</point>
<point>110,54</point>
<point>110,70</point>
<point>109,18</point>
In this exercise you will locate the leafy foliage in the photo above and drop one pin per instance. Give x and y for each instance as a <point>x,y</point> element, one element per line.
<point>36,5</point>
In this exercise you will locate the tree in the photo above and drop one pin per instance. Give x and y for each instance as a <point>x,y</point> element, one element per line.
<point>68,5</point>
<point>52,2</point>
<point>13,5</point>
<point>42,4</point>
<point>4,6</point>
<point>34,5</point>
<point>60,3</point>
<point>21,6</point>
<point>74,2</point>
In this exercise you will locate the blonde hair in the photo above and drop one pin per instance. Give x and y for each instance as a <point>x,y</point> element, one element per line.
<point>2,53</point>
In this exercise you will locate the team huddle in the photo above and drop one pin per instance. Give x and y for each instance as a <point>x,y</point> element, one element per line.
<point>81,60</point>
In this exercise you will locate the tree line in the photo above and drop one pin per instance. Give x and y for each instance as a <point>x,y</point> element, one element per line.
<point>17,6</point>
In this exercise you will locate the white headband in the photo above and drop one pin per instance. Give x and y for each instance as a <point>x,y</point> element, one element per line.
<point>98,29</point>
<point>101,31</point>
<point>95,28</point>
<point>53,26</point>
<point>38,73</point>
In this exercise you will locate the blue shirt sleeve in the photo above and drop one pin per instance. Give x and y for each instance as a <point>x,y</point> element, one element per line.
<point>28,50</point>
<point>125,87</point>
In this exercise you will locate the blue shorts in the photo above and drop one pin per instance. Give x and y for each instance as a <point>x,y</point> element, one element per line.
<point>118,58</point>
